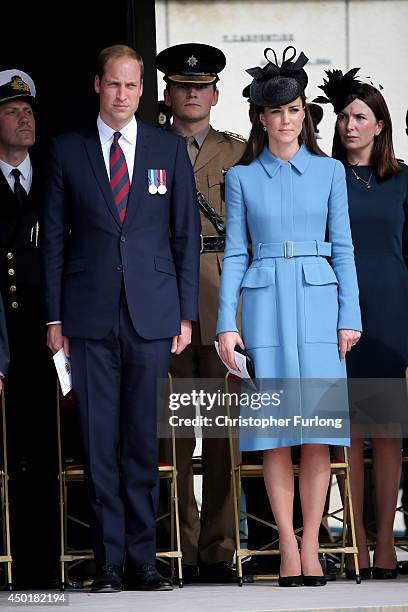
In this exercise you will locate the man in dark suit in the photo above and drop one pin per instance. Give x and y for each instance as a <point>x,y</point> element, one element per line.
<point>121,261</point>
<point>30,386</point>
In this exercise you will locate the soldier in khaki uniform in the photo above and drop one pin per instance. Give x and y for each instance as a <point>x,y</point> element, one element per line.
<point>191,73</point>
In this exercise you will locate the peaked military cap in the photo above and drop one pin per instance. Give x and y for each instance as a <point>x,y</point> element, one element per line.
<point>16,84</point>
<point>191,63</point>
<point>275,85</point>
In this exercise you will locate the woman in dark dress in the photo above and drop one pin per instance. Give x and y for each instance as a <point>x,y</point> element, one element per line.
<point>378,200</point>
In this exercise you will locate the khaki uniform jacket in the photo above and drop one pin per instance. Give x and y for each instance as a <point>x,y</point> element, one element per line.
<point>217,154</point>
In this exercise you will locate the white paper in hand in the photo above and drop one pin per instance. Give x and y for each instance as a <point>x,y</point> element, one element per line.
<point>63,367</point>
<point>240,360</point>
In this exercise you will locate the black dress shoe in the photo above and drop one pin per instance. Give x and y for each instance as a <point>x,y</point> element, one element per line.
<point>147,578</point>
<point>109,580</point>
<point>261,564</point>
<point>365,573</point>
<point>190,573</point>
<point>314,581</point>
<point>222,572</point>
<point>290,581</point>
<point>329,568</point>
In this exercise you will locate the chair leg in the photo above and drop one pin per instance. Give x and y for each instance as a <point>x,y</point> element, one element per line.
<point>349,503</point>
<point>5,492</point>
<point>177,524</point>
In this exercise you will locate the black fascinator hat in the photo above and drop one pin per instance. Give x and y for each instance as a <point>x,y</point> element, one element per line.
<point>340,89</point>
<point>275,85</point>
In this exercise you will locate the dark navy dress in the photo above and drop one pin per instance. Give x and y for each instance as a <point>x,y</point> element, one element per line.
<point>379,218</point>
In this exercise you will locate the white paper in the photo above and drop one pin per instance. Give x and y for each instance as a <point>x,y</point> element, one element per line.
<point>240,360</point>
<point>63,367</point>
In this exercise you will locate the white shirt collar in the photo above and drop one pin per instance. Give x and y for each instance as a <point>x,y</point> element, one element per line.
<point>24,167</point>
<point>129,131</point>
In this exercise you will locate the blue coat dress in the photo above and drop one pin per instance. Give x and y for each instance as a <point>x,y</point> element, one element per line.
<point>293,299</point>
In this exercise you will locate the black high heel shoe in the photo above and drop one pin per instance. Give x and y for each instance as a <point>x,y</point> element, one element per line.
<point>385,573</point>
<point>365,573</point>
<point>290,581</point>
<point>314,581</point>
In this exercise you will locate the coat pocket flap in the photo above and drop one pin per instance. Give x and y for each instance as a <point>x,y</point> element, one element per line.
<point>162,264</point>
<point>76,265</point>
<point>215,179</point>
<point>319,274</point>
<point>259,277</point>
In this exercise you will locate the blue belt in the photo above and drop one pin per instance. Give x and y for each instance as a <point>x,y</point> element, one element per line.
<point>289,249</point>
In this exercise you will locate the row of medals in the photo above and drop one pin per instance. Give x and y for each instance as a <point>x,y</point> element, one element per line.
<point>161,189</point>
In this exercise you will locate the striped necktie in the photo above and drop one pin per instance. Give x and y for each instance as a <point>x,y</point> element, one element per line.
<point>119,177</point>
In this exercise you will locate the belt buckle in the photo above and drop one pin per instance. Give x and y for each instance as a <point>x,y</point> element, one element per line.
<point>288,249</point>
<point>201,244</point>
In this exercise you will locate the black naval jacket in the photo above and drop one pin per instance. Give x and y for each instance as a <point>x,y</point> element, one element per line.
<point>20,272</point>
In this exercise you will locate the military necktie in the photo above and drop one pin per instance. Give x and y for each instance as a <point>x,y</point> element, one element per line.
<point>119,177</point>
<point>19,190</point>
<point>192,148</point>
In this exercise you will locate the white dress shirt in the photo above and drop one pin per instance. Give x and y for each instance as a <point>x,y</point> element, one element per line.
<point>26,176</point>
<point>127,143</point>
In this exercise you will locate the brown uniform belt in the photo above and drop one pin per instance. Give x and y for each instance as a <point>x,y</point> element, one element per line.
<point>212,244</point>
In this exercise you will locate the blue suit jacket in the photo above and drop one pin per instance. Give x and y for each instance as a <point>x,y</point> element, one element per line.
<point>88,255</point>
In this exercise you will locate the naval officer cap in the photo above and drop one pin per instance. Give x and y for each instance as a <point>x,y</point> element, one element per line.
<point>275,85</point>
<point>16,84</point>
<point>191,63</point>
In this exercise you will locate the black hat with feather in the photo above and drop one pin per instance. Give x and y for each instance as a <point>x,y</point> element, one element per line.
<point>340,89</point>
<point>275,85</point>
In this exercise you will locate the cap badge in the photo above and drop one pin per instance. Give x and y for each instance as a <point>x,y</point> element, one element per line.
<point>192,61</point>
<point>18,84</point>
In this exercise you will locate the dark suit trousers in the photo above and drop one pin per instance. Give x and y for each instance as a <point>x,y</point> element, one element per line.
<point>115,382</point>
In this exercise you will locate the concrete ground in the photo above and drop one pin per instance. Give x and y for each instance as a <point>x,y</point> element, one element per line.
<point>339,596</point>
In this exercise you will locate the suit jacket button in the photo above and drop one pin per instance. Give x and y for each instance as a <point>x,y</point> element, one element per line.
<point>11,272</point>
<point>13,288</point>
<point>14,305</point>
<point>123,238</point>
<point>10,255</point>
<point>119,268</point>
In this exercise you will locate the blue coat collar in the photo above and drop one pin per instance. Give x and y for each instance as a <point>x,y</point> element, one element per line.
<point>271,164</point>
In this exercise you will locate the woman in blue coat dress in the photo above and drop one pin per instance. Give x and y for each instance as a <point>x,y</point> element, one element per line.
<point>378,201</point>
<point>300,315</point>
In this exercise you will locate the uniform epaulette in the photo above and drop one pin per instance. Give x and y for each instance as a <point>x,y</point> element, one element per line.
<point>235,136</point>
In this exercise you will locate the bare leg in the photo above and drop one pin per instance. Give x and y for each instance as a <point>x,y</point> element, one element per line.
<point>313,484</point>
<point>387,475</point>
<point>278,476</point>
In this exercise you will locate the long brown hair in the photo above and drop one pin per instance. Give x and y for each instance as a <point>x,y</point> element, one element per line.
<point>383,158</point>
<point>258,138</point>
